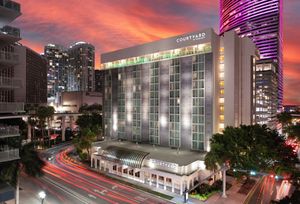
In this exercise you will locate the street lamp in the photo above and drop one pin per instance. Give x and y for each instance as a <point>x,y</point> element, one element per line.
<point>42,196</point>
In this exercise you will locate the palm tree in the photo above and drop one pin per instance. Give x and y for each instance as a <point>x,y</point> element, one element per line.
<point>29,162</point>
<point>211,163</point>
<point>44,113</point>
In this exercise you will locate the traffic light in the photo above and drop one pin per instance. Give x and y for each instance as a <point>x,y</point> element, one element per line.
<point>252,173</point>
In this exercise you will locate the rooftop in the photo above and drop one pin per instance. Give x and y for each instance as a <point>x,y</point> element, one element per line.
<point>180,157</point>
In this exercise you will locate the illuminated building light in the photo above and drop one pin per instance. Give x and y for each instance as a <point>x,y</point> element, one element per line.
<point>221,126</point>
<point>221,75</point>
<point>163,121</point>
<point>221,83</point>
<point>221,67</point>
<point>165,55</point>
<point>221,100</point>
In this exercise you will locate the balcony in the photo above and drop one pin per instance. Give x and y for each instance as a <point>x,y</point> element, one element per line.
<point>8,154</point>
<point>9,131</point>
<point>10,83</point>
<point>9,30</point>
<point>9,11</point>
<point>7,39</point>
<point>9,58</point>
<point>11,107</point>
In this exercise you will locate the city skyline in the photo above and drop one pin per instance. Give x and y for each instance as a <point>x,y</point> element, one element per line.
<point>140,23</point>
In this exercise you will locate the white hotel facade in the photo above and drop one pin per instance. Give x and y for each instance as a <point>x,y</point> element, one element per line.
<point>163,100</point>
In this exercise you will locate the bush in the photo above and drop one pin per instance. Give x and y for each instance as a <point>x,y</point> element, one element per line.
<point>203,188</point>
<point>83,156</point>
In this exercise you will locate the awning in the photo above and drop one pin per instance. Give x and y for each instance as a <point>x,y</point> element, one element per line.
<point>132,158</point>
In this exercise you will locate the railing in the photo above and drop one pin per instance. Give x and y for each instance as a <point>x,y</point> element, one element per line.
<point>13,107</point>
<point>9,58</point>
<point>9,131</point>
<point>10,5</point>
<point>6,82</point>
<point>9,154</point>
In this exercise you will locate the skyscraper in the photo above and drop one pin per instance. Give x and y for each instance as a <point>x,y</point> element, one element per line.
<point>81,69</point>
<point>57,58</point>
<point>99,80</point>
<point>260,20</point>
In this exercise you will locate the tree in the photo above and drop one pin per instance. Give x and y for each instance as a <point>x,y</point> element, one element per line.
<point>90,124</point>
<point>44,113</point>
<point>211,162</point>
<point>84,142</point>
<point>285,119</point>
<point>251,148</point>
<point>294,131</point>
<point>29,162</point>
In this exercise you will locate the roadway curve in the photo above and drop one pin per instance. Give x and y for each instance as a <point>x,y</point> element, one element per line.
<point>67,182</point>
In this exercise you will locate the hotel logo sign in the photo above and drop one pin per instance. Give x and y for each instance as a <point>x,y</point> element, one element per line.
<point>193,37</point>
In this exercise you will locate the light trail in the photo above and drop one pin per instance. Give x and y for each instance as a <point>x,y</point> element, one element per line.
<point>65,170</point>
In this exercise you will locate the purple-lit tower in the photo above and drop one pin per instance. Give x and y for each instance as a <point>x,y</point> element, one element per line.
<point>261,20</point>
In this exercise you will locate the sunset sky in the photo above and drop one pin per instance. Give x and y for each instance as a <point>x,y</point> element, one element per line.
<point>115,24</point>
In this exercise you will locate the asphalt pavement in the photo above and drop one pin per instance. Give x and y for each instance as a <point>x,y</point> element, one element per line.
<point>66,182</point>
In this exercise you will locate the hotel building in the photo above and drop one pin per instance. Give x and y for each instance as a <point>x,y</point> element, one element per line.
<point>262,22</point>
<point>165,99</point>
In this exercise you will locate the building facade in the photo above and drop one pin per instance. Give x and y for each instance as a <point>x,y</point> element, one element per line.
<point>81,71</point>
<point>177,92</point>
<point>71,101</point>
<point>32,70</point>
<point>262,22</point>
<point>9,105</point>
<point>99,80</point>
<point>57,59</point>
<point>158,167</point>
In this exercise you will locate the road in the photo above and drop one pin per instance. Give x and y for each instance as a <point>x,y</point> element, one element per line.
<point>68,183</point>
<point>268,189</point>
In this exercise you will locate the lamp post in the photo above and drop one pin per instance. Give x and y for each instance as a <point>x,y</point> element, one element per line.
<point>42,196</point>
<point>186,195</point>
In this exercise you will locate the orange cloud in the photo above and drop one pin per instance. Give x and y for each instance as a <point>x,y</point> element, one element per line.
<point>116,24</point>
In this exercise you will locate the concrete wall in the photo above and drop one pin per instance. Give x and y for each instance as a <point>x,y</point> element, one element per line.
<point>72,101</point>
<point>238,79</point>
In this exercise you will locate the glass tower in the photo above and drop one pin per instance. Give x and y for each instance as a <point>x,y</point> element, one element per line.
<point>260,20</point>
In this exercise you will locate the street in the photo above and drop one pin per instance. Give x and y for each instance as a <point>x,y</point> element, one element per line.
<point>268,189</point>
<point>67,182</point>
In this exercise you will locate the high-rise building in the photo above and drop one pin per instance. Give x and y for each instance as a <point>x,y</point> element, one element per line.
<point>261,21</point>
<point>179,91</point>
<point>99,80</point>
<point>9,58</point>
<point>82,65</point>
<point>57,58</point>
<point>32,70</point>
<point>165,98</point>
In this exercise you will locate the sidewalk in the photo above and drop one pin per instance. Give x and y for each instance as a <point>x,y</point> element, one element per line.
<point>233,196</point>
